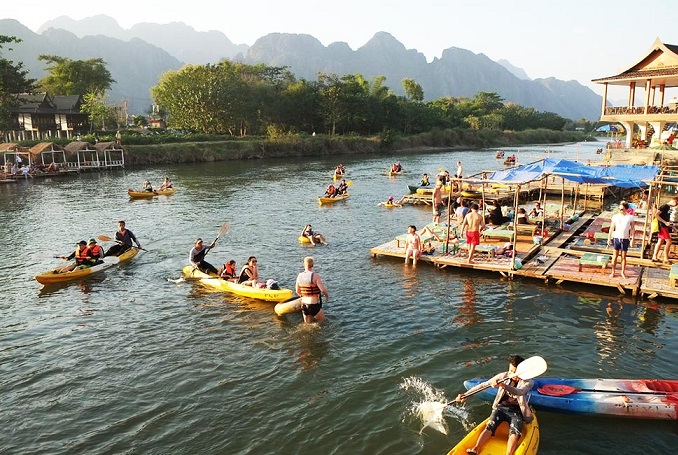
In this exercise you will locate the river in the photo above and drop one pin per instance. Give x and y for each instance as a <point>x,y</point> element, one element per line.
<point>132,362</point>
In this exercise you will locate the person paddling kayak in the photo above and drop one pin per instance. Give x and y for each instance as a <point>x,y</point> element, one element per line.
<point>510,405</point>
<point>124,238</point>
<point>197,257</point>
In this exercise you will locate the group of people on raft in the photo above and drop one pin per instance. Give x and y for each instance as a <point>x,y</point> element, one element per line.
<point>339,190</point>
<point>88,254</point>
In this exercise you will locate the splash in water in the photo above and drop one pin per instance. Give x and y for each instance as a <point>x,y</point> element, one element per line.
<point>430,405</point>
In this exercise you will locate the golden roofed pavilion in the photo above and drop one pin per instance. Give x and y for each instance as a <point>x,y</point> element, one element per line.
<point>650,77</point>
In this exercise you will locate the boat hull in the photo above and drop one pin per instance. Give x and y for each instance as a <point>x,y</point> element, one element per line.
<point>332,200</point>
<point>632,398</point>
<point>528,444</point>
<point>55,276</point>
<point>268,295</point>
<point>149,194</point>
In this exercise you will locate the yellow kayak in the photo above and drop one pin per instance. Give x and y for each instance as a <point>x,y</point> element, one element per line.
<point>57,276</point>
<point>391,205</point>
<point>330,200</point>
<point>339,176</point>
<point>149,194</point>
<point>528,444</point>
<point>269,295</point>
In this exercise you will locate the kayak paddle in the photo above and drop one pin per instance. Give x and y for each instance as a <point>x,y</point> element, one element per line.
<point>105,238</point>
<point>527,369</point>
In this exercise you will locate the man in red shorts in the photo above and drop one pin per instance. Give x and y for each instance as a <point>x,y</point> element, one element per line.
<point>473,223</point>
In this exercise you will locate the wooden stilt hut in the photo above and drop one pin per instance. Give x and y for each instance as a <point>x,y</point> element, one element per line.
<point>113,154</point>
<point>86,156</point>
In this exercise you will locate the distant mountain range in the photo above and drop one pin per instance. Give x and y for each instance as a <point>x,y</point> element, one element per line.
<point>138,56</point>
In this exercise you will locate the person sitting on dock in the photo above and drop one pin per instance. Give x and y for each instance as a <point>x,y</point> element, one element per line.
<point>228,272</point>
<point>147,186</point>
<point>166,184</point>
<point>461,211</point>
<point>472,224</point>
<point>496,216</point>
<point>521,217</point>
<point>537,211</point>
<point>424,180</point>
<point>249,274</point>
<point>331,191</point>
<point>342,188</point>
<point>622,232</point>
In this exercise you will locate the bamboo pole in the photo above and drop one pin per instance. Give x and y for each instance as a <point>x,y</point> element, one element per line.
<point>515,227</point>
<point>562,204</point>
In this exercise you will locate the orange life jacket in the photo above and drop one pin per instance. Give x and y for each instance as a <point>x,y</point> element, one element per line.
<point>310,289</point>
<point>95,251</point>
<point>81,255</point>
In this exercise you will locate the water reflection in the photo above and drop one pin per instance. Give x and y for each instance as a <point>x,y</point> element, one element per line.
<point>311,345</point>
<point>467,313</point>
<point>650,315</point>
<point>610,330</point>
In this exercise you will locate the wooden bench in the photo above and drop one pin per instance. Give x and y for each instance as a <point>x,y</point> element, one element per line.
<point>595,259</point>
<point>499,234</point>
<point>529,229</point>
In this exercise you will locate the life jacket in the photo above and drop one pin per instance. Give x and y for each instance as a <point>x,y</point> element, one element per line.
<point>243,274</point>
<point>95,251</point>
<point>228,272</point>
<point>310,289</point>
<point>82,255</point>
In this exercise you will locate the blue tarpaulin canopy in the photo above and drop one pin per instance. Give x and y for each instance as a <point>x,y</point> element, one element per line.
<point>623,176</point>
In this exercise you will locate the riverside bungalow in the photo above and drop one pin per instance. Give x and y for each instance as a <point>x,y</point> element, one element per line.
<point>114,155</point>
<point>645,125</point>
<point>42,116</point>
<point>86,155</point>
<point>11,151</point>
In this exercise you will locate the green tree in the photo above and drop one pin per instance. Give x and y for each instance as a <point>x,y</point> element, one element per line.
<point>97,109</point>
<point>75,77</point>
<point>14,81</point>
<point>413,90</point>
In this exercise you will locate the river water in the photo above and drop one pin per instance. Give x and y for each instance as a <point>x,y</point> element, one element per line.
<point>131,362</point>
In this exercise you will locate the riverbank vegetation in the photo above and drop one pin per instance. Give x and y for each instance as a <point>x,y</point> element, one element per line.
<point>231,110</point>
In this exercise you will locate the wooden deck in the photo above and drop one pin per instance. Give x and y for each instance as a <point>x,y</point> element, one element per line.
<point>553,262</point>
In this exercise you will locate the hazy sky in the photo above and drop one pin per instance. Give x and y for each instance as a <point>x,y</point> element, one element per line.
<point>571,39</point>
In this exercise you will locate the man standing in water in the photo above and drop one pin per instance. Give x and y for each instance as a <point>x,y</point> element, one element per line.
<point>473,223</point>
<point>310,288</point>
<point>510,405</point>
<point>622,232</point>
<point>437,202</point>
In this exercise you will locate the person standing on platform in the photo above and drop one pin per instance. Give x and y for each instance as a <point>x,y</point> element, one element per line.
<point>472,225</point>
<point>622,232</point>
<point>437,202</point>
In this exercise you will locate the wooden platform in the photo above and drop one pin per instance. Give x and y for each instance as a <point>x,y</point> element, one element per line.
<point>552,262</point>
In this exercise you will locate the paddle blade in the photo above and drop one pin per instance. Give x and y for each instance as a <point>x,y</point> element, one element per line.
<point>224,229</point>
<point>104,238</point>
<point>527,369</point>
<point>531,368</point>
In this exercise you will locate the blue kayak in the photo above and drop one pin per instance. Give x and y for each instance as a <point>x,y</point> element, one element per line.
<point>635,398</point>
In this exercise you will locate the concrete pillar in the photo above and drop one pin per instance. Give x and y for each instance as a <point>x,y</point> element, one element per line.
<point>647,96</point>
<point>604,99</point>
<point>632,95</point>
<point>662,88</point>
